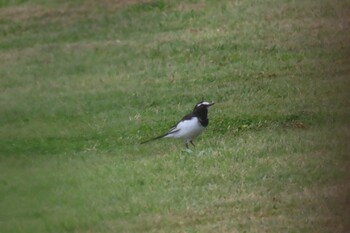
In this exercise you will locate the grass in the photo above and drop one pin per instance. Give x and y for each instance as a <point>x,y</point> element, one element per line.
<point>81,84</point>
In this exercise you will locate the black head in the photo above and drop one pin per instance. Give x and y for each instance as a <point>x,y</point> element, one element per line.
<point>201,111</point>
<point>202,105</point>
<point>202,108</point>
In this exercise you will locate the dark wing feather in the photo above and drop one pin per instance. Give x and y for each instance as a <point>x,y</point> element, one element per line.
<point>171,131</point>
<point>187,117</point>
<point>161,136</point>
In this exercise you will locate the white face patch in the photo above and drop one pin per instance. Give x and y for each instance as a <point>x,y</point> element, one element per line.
<point>203,103</point>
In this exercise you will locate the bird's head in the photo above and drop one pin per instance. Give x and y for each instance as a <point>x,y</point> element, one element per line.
<point>203,105</point>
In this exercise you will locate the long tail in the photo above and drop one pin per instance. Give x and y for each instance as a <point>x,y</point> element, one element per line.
<point>152,139</point>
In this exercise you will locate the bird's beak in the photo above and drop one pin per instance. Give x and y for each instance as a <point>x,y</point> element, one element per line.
<point>211,104</point>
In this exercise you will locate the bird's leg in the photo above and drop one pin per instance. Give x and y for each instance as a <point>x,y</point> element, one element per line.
<point>192,143</point>
<point>186,144</point>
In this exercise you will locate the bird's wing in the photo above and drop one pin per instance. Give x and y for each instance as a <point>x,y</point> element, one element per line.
<point>173,129</point>
<point>187,117</point>
<point>162,136</point>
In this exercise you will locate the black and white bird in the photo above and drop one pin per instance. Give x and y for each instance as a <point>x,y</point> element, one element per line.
<point>190,126</point>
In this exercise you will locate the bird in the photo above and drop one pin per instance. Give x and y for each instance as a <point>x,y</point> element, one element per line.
<point>190,126</point>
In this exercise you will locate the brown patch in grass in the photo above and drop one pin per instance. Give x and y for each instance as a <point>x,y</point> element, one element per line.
<point>325,26</point>
<point>113,5</point>
<point>191,6</point>
<point>27,12</point>
<point>327,205</point>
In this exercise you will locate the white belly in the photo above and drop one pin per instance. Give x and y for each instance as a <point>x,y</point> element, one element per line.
<point>187,129</point>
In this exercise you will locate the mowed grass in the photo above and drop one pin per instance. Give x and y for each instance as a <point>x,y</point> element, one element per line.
<point>83,83</point>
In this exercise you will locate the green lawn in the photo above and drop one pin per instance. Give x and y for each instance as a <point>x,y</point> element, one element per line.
<point>82,83</point>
